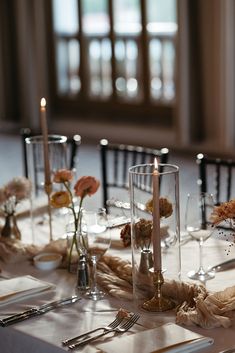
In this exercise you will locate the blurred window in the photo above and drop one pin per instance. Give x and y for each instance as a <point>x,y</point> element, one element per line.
<point>115,51</point>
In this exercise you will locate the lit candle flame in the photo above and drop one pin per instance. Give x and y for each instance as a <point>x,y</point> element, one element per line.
<point>43,102</point>
<point>155,163</point>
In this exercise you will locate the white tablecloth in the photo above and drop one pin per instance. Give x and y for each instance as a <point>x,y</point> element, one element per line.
<point>44,333</point>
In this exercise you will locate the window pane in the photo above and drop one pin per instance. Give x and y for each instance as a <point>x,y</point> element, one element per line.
<point>126,54</point>
<point>95,17</point>
<point>100,68</point>
<point>155,55</point>
<point>127,27</point>
<point>127,17</point>
<point>65,16</point>
<point>168,70</point>
<point>68,66</point>
<point>161,29</point>
<point>161,11</point>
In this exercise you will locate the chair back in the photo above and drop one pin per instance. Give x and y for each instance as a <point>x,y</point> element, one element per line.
<point>116,159</point>
<point>217,176</point>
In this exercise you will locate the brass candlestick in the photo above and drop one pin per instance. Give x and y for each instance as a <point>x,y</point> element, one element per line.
<point>48,190</point>
<point>158,303</point>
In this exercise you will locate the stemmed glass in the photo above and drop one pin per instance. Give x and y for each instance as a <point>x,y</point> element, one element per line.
<point>199,207</point>
<point>97,242</point>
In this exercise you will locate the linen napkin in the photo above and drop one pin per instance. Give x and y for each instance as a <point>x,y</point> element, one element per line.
<point>170,338</point>
<point>14,289</point>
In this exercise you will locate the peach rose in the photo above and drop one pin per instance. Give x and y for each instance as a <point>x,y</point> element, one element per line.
<point>223,212</point>
<point>63,175</point>
<point>165,207</point>
<point>60,199</point>
<point>86,185</point>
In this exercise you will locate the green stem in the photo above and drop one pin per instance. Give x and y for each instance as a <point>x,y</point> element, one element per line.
<point>77,221</point>
<point>79,218</point>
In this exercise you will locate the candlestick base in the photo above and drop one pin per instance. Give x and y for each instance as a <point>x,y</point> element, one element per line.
<point>158,303</point>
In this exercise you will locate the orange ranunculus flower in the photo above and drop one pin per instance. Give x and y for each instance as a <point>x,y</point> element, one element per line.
<point>63,175</point>
<point>60,199</point>
<point>86,185</point>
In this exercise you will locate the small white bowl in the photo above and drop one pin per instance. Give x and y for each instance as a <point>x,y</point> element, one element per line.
<point>47,261</point>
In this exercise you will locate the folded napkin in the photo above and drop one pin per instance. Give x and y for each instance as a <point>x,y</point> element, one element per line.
<point>170,338</point>
<point>12,290</point>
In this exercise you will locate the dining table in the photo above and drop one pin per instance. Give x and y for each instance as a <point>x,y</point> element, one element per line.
<point>45,333</point>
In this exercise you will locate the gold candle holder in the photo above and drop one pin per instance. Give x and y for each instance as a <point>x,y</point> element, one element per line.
<point>158,303</point>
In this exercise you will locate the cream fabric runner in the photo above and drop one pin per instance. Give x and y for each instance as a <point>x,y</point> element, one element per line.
<point>196,305</point>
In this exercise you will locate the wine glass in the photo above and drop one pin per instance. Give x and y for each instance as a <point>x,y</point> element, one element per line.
<point>97,241</point>
<point>199,207</point>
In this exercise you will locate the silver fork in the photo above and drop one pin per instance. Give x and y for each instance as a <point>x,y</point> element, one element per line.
<point>109,327</point>
<point>123,327</point>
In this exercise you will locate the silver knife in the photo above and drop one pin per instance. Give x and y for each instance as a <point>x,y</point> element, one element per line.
<point>35,311</point>
<point>223,266</point>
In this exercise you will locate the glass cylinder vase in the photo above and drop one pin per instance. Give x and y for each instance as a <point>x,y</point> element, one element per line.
<point>142,200</point>
<point>40,211</point>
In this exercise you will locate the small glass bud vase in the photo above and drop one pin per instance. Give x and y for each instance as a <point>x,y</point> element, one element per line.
<point>76,248</point>
<point>141,198</point>
<point>72,253</point>
<point>72,246</point>
<point>10,228</point>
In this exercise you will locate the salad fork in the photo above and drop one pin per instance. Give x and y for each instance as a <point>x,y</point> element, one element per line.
<point>109,327</point>
<point>123,327</point>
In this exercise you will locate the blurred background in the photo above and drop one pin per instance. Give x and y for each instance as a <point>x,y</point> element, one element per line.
<point>156,73</point>
<point>147,72</point>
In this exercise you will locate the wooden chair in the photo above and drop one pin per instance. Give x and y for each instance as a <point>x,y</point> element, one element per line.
<point>217,176</point>
<point>116,159</point>
<point>72,152</point>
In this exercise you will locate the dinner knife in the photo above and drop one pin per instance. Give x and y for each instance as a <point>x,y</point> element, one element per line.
<point>223,266</point>
<point>36,311</point>
<point>36,308</point>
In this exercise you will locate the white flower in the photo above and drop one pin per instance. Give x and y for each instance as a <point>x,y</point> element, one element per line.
<point>12,193</point>
<point>20,187</point>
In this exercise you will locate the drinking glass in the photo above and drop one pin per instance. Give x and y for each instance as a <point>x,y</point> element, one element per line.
<point>199,207</point>
<point>97,242</point>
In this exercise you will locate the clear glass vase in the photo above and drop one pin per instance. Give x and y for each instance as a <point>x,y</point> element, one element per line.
<point>72,252</point>
<point>141,197</point>
<point>76,255</point>
<point>74,249</point>
<point>46,221</point>
<point>10,228</point>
